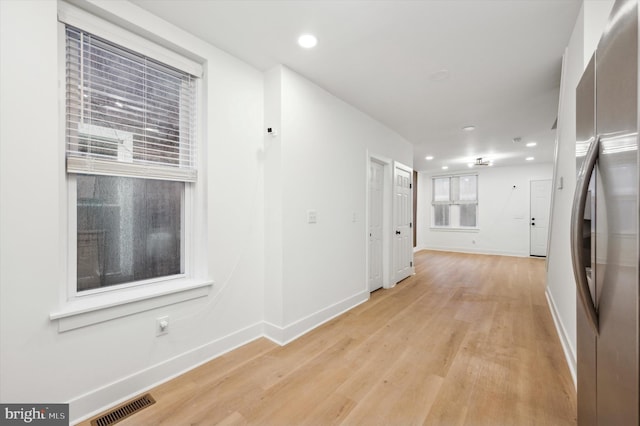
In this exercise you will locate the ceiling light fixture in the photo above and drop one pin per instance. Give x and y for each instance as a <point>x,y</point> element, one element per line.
<point>307,41</point>
<point>530,144</point>
<point>440,75</point>
<point>469,128</point>
<point>445,167</point>
<point>469,165</point>
<point>429,157</point>
<point>529,158</point>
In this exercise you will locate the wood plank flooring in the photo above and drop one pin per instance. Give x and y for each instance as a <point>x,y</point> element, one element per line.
<point>468,340</point>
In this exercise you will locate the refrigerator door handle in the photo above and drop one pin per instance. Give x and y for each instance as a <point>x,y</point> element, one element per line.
<point>577,225</point>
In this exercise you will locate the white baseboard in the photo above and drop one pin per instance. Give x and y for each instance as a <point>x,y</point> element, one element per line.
<point>286,334</point>
<point>569,351</point>
<point>101,399</point>
<point>476,251</point>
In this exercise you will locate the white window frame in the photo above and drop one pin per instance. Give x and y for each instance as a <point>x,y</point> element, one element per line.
<point>451,202</point>
<point>79,309</point>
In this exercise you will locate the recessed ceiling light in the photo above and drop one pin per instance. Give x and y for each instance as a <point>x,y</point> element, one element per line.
<point>307,41</point>
<point>469,165</point>
<point>530,144</point>
<point>445,167</point>
<point>429,157</point>
<point>440,75</point>
<point>530,158</point>
<point>469,128</point>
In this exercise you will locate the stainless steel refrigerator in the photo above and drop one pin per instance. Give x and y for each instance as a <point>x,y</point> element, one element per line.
<point>604,226</point>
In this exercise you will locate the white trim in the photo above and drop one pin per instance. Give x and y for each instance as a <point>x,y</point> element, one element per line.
<point>110,395</point>
<point>569,351</point>
<point>556,149</point>
<point>289,333</point>
<point>86,21</point>
<point>387,219</point>
<point>412,269</point>
<point>89,310</point>
<point>458,229</point>
<point>77,310</point>
<point>476,251</point>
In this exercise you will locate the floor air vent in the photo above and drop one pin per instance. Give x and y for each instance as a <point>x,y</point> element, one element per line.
<point>124,411</point>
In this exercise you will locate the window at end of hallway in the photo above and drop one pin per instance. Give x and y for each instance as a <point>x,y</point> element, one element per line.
<point>454,203</point>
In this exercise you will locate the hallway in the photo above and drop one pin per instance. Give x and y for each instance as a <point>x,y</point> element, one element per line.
<point>468,340</point>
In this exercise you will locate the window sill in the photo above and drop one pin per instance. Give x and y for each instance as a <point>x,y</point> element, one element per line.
<point>436,228</point>
<point>94,309</point>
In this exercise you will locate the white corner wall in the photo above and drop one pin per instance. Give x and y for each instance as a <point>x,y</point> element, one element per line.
<point>560,280</point>
<point>503,217</point>
<point>95,366</point>
<point>320,164</point>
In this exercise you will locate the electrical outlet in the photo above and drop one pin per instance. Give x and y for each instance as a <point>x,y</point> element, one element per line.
<point>162,325</point>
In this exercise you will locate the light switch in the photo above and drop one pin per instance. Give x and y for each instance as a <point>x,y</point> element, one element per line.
<point>312,216</point>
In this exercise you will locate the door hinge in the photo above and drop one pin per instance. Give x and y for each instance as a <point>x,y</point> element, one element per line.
<point>410,225</point>
<point>410,185</point>
<point>411,264</point>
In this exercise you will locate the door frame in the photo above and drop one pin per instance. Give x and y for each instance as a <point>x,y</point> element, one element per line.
<point>387,219</point>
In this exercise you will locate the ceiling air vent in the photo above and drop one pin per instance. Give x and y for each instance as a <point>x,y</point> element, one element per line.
<point>124,411</point>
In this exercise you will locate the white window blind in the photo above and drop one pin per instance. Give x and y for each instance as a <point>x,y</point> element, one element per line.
<point>455,201</point>
<point>126,114</point>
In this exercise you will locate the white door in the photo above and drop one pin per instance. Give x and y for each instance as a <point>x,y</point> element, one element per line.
<point>539,223</point>
<point>402,219</point>
<point>376,182</point>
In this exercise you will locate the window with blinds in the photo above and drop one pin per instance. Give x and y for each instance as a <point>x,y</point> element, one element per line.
<point>455,201</point>
<point>131,160</point>
<point>127,114</point>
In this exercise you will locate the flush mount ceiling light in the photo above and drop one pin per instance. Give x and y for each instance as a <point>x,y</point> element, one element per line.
<point>429,157</point>
<point>529,158</point>
<point>440,75</point>
<point>307,41</point>
<point>469,128</point>
<point>530,144</point>
<point>445,167</point>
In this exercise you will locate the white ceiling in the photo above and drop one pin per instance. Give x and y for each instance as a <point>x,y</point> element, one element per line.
<point>502,59</point>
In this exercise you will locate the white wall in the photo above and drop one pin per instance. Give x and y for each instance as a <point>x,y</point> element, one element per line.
<point>274,274</point>
<point>322,165</point>
<point>560,280</point>
<point>503,215</point>
<point>97,365</point>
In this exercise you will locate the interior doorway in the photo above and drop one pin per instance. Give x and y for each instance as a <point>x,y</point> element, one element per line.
<point>376,213</point>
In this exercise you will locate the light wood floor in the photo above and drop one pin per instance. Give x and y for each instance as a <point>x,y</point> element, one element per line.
<point>468,340</point>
